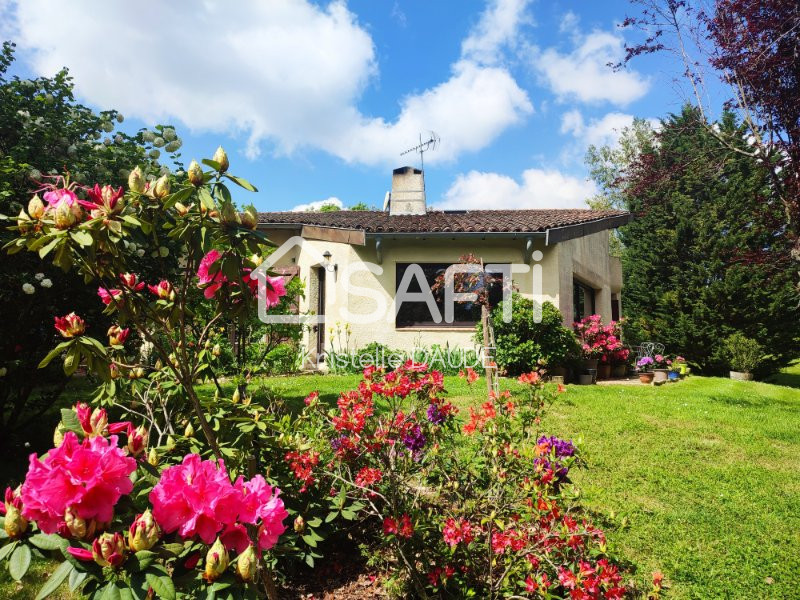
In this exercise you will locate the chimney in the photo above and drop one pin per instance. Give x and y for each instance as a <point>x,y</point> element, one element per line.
<point>408,192</point>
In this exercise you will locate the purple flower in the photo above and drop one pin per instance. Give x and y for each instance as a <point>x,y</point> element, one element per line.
<point>414,440</point>
<point>558,448</point>
<point>336,443</point>
<point>435,415</point>
<point>562,448</point>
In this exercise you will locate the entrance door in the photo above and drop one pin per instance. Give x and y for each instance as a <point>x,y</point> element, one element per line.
<point>320,312</point>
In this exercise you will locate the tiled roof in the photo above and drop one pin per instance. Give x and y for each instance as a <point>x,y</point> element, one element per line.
<point>470,221</point>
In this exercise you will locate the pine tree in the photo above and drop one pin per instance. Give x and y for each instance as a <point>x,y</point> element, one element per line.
<point>708,253</point>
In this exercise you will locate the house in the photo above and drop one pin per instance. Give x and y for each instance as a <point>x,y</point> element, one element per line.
<point>354,262</point>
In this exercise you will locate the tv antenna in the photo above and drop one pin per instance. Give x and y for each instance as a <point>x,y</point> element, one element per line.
<point>431,144</point>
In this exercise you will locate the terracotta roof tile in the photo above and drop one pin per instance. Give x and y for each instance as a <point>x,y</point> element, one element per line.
<point>499,221</point>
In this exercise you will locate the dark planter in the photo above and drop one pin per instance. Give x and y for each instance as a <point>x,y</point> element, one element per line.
<point>619,371</point>
<point>604,371</point>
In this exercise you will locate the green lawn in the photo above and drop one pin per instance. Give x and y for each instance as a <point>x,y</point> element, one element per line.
<point>699,479</point>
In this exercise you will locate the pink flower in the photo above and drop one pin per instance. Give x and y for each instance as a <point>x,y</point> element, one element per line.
<point>107,296</point>
<point>88,477</point>
<point>211,282</point>
<point>275,289</point>
<point>131,281</point>
<point>103,200</point>
<point>58,196</point>
<point>70,326</point>
<point>195,498</point>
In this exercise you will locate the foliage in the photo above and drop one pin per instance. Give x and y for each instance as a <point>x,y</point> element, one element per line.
<point>706,255</point>
<point>445,359</point>
<point>42,129</point>
<point>523,345</point>
<point>480,511</point>
<point>90,231</point>
<point>744,354</point>
<point>753,45</point>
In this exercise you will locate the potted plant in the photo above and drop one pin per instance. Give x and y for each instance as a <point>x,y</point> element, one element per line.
<point>592,337</point>
<point>643,366</point>
<point>660,369</point>
<point>745,355</point>
<point>620,362</point>
<point>681,366</point>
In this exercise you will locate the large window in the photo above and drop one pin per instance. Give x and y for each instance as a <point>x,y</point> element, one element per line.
<point>582,300</point>
<point>418,314</point>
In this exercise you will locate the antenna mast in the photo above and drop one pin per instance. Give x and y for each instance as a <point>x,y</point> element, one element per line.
<point>431,144</point>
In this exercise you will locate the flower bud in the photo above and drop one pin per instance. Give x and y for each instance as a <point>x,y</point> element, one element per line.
<point>79,528</point>
<point>24,222</point>
<point>229,214</point>
<point>138,372</point>
<point>247,564</point>
<point>299,524</point>
<point>216,561</point>
<point>195,174</point>
<point>36,207</point>
<point>15,523</point>
<point>236,396</point>
<point>221,158</point>
<point>249,217</point>
<point>108,549</point>
<point>189,431</point>
<point>162,186</point>
<point>137,440</point>
<point>65,216</point>
<point>216,350</point>
<point>114,370</point>
<point>170,442</point>
<point>98,422</point>
<point>181,209</point>
<point>136,181</point>
<point>58,436</point>
<point>144,532</point>
<point>117,335</point>
<point>152,457</point>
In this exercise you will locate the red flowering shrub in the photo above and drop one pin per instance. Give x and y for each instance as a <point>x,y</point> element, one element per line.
<point>480,508</point>
<point>602,342</point>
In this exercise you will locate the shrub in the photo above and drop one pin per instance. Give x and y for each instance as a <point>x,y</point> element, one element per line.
<point>522,345</point>
<point>281,360</point>
<point>744,354</point>
<point>477,509</point>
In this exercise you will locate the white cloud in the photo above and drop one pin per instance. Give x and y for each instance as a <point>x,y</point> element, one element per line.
<point>319,204</point>
<point>497,27</point>
<point>584,75</point>
<point>604,131</point>
<point>539,188</point>
<point>286,72</point>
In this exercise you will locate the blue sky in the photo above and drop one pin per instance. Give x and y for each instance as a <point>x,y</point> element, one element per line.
<point>317,100</point>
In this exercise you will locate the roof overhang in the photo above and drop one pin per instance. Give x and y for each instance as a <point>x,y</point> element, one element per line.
<point>570,232</point>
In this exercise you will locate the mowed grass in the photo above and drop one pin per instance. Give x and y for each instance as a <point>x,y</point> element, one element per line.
<point>699,479</point>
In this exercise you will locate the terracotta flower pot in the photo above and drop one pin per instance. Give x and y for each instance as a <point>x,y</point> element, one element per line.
<point>646,376</point>
<point>604,371</point>
<point>659,375</point>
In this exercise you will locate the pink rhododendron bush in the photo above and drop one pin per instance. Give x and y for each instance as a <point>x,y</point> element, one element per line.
<point>145,506</point>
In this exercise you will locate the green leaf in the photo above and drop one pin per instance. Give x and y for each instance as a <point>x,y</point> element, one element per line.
<point>162,585</point>
<point>54,352</point>
<point>143,559</point>
<point>7,549</point>
<point>310,560</point>
<point>56,579</point>
<point>242,182</point>
<point>205,198</point>
<point>69,419</point>
<point>46,250</point>
<point>308,539</point>
<point>331,516</point>
<point>19,562</point>
<point>47,542</point>
<point>76,578</point>
<point>211,163</point>
<point>83,238</point>
<point>110,592</point>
